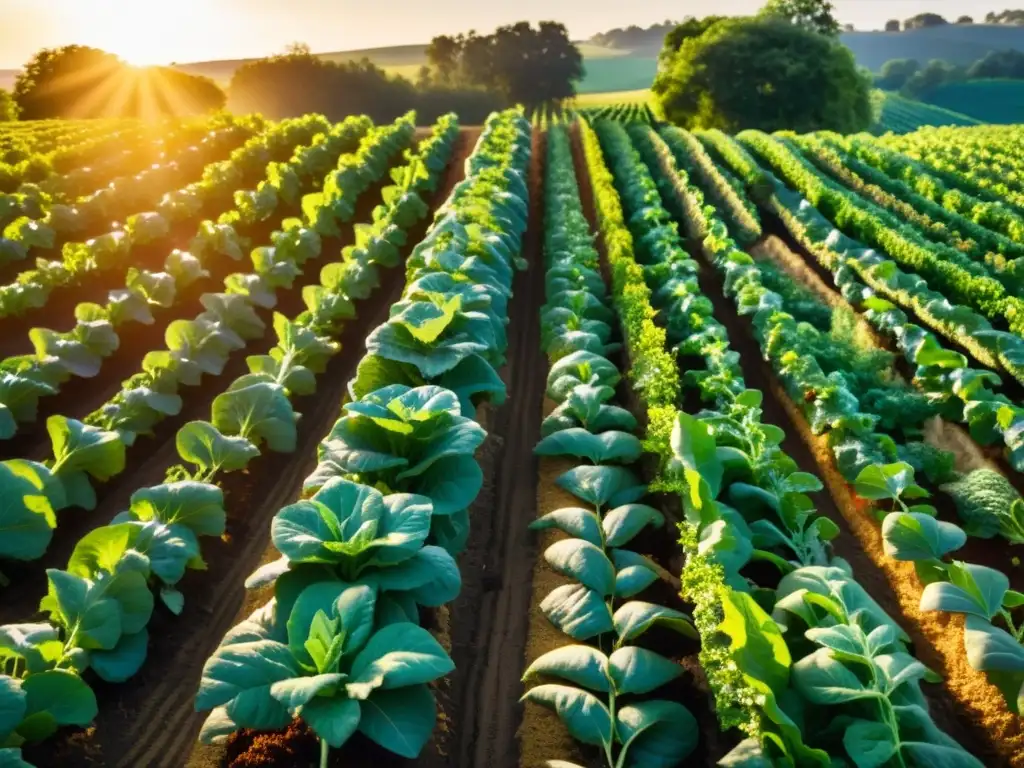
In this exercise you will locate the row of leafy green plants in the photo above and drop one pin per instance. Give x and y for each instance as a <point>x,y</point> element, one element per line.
<point>964,394</point>
<point>386,510</point>
<point>983,245</point>
<point>606,678</point>
<point>962,168</point>
<point>43,151</point>
<point>80,352</point>
<point>150,213</point>
<point>100,605</point>
<point>797,653</point>
<point>940,267</point>
<point>227,325</point>
<point>50,226</point>
<point>868,459</point>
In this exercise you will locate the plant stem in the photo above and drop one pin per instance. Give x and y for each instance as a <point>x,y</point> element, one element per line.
<point>325,750</point>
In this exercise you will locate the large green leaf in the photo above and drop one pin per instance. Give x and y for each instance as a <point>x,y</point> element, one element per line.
<point>584,562</point>
<point>240,676</point>
<point>575,521</point>
<point>756,644</point>
<point>635,617</point>
<point>79,447</point>
<point>602,486</point>
<point>197,506</point>
<point>607,447</point>
<point>656,734</point>
<point>259,412</point>
<point>202,444</point>
<point>400,720</point>
<point>27,518</point>
<point>579,664</point>
<point>918,536</point>
<point>822,679</point>
<point>397,656</point>
<point>638,670</point>
<point>586,718</point>
<point>975,590</point>
<point>579,612</point>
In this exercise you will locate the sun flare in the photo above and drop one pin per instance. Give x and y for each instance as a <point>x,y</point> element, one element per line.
<point>146,32</point>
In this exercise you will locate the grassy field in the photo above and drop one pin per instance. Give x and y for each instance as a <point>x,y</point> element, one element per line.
<point>901,115</point>
<point>990,101</point>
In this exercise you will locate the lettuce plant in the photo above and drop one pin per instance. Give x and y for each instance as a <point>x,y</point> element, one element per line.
<point>331,666</point>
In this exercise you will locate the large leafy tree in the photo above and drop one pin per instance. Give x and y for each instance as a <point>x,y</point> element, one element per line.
<point>815,15</point>
<point>78,81</point>
<point>896,72</point>
<point>767,74</point>
<point>526,65</point>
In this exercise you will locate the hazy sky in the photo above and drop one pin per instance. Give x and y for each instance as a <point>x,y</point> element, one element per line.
<point>161,31</point>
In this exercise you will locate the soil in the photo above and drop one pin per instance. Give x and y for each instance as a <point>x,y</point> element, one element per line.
<point>150,721</point>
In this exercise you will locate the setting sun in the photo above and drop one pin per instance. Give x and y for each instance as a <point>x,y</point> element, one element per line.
<point>144,32</point>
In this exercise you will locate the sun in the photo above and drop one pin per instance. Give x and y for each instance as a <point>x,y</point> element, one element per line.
<point>145,32</point>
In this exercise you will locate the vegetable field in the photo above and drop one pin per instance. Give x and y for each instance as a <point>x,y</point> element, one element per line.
<point>585,442</point>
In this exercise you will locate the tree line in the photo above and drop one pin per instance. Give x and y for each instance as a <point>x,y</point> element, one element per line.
<point>470,74</point>
<point>912,79</point>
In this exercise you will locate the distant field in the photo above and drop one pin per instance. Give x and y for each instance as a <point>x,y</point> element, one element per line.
<point>901,115</point>
<point>639,96</point>
<point>990,101</point>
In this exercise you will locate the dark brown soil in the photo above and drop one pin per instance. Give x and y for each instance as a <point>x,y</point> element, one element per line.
<point>150,721</point>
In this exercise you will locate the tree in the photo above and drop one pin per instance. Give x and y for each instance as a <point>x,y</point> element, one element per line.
<point>687,29</point>
<point>892,25</point>
<point>896,72</point>
<point>443,57</point>
<point>77,81</point>
<point>923,20</point>
<point>1009,64</point>
<point>935,73</point>
<point>58,81</point>
<point>525,65</point>
<point>965,20</point>
<point>766,74</point>
<point>8,106</point>
<point>815,15</point>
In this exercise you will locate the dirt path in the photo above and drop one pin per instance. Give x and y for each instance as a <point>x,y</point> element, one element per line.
<point>489,619</point>
<point>150,721</point>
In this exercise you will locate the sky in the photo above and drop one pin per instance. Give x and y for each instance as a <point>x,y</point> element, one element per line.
<point>165,31</point>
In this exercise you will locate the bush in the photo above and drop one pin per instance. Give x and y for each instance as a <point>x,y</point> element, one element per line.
<point>765,74</point>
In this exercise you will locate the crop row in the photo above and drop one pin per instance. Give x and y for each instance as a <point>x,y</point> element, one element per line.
<point>387,507</point>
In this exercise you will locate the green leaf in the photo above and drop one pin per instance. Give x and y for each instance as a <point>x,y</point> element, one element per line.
<point>74,604</point>
<point>575,521</point>
<point>869,743</point>
<point>634,618</point>
<point>656,734</point>
<point>401,720</point>
<point>27,517</point>
<point>917,536</point>
<point>197,506</point>
<point>397,656</point>
<point>63,695</point>
<point>822,679</point>
<point>972,589</point>
<point>598,449</point>
<point>694,450</point>
<point>991,649</point>
<point>239,677</point>
<point>584,562</point>
<point>258,412</point>
<point>601,486</point>
<point>889,481</point>
<point>122,661</point>
<point>623,523</point>
<point>586,718</point>
<point>637,670</point>
<point>756,644</point>
<point>202,444</point>
<point>332,719</point>
<point>579,612</point>
<point>80,447</point>
<point>579,664</point>
<point>13,704</point>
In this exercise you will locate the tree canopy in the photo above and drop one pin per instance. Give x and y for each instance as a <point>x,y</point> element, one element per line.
<point>79,81</point>
<point>922,20</point>
<point>815,15</point>
<point>764,73</point>
<point>299,82</point>
<point>526,65</point>
<point>896,72</point>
